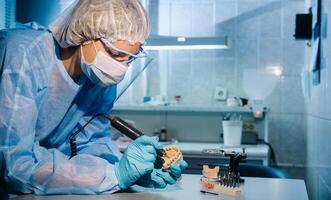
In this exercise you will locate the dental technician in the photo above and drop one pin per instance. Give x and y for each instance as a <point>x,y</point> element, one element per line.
<point>52,81</point>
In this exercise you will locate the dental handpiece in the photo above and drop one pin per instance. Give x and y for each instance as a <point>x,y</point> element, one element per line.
<point>128,130</point>
<point>116,122</point>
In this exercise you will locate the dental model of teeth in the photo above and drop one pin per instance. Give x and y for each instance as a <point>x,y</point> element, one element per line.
<point>213,183</point>
<point>210,173</point>
<point>171,155</point>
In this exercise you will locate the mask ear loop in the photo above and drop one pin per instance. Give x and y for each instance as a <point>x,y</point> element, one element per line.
<point>95,48</point>
<point>81,53</point>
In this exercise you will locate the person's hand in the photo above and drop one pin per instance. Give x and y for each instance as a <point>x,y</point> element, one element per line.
<point>176,169</point>
<point>137,160</point>
<point>159,178</point>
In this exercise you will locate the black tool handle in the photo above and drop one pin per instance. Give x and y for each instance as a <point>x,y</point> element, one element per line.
<point>128,130</point>
<point>125,128</point>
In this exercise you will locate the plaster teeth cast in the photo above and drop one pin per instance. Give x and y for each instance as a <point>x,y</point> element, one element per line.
<point>172,155</point>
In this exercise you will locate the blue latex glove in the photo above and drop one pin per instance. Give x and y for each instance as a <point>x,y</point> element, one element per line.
<point>160,178</point>
<point>157,179</point>
<point>137,160</point>
<point>176,170</point>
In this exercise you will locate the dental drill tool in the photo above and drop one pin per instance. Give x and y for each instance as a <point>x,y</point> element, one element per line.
<point>116,122</point>
<point>168,155</point>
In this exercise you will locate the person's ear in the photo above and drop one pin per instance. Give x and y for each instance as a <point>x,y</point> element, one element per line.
<point>89,52</point>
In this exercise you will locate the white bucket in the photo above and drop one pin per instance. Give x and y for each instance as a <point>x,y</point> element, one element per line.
<point>232,132</point>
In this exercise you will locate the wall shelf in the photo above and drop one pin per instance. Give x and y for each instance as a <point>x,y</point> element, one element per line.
<point>165,115</point>
<point>183,108</point>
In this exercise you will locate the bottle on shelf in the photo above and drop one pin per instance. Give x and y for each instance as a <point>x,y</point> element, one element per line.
<point>163,134</point>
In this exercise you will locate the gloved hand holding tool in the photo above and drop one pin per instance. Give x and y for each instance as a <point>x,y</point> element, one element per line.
<point>137,161</point>
<point>137,164</point>
<point>159,178</point>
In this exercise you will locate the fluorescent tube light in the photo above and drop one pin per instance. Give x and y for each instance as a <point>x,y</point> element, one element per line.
<point>186,43</point>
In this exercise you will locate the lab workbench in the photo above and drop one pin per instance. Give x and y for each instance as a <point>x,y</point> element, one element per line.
<point>253,188</point>
<point>193,154</point>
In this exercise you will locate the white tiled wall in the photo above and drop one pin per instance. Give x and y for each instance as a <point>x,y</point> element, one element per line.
<point>7,13</point>
<point>319,124</point>
<point>262,35</point>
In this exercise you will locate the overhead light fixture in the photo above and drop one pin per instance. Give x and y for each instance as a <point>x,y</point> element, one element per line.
<point>186,43</point>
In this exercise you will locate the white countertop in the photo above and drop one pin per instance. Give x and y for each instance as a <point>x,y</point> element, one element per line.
<point>189,188</point>
<point>259,150</point>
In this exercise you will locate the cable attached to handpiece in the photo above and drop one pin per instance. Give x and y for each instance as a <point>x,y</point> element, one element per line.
<point>72,137</point>
<point>115,122</point>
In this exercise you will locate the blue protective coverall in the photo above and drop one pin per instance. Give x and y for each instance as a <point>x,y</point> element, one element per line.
<point>40,106</point>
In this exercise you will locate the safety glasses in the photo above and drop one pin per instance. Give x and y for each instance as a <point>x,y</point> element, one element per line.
<point>119,52</point>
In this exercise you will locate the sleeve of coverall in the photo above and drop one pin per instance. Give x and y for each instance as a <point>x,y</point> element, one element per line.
<point>30,167</point>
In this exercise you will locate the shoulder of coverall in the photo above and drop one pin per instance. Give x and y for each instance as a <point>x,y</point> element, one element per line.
<point>30,45</point>
<point>104,101</point>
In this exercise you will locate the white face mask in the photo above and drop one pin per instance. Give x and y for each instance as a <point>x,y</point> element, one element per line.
<point>104,70</point>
